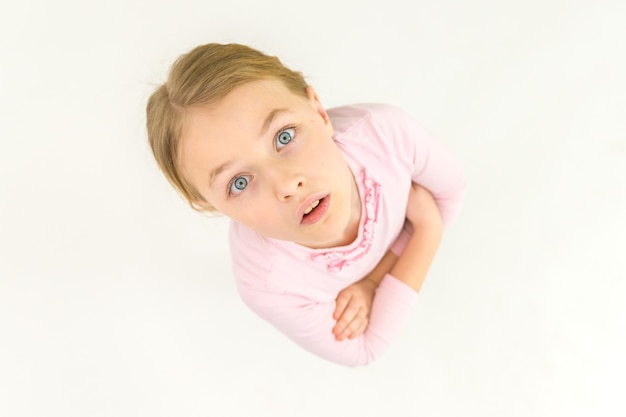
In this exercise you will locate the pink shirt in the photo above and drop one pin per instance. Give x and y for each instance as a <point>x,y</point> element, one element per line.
<point>294,287</point>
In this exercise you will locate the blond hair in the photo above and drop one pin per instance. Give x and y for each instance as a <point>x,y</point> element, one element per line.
<point>203,76</point>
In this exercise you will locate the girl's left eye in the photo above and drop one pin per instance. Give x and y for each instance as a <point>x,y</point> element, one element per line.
<point>284,137</point>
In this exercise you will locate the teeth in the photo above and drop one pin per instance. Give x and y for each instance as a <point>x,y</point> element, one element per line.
<point>311,207</point>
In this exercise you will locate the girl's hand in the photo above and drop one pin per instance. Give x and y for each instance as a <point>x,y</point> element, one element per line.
<point>352,309</point>
<point>353,303</point>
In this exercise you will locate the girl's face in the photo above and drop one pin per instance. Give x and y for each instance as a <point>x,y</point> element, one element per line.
<point>265,157</point>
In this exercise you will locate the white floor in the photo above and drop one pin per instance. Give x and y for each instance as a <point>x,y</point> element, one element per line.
<point>117,300</point>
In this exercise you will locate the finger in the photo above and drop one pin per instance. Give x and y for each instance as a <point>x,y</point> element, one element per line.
<point>346,317</point>
<point>340,304</point>
<point>360,330</point>
<point>356,326</point>
<point>353,324</point>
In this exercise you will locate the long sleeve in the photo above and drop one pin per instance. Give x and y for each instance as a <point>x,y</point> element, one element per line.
<point>432,164</point>
<point>309,323</point>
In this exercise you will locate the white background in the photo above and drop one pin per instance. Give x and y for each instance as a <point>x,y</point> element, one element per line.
<point>117,300</point>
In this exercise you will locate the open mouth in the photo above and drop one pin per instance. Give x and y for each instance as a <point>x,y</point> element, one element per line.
<point>315,211</point>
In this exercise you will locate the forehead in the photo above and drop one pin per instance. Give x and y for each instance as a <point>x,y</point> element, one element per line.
<point>243,108</point>
<point>224,129</point>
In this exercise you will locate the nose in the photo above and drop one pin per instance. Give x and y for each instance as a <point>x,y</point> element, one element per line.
<point>286,183</point>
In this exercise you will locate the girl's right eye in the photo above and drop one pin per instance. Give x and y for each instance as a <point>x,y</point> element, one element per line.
<point>238,184</point>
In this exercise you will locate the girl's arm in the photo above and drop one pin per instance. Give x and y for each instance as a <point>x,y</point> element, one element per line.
<point>353,304</point>
<point>422,213</point>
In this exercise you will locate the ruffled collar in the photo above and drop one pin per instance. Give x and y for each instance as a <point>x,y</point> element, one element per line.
<point>340,258</point>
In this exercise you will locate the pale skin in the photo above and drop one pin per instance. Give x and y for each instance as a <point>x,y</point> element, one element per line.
<point>262,154</point>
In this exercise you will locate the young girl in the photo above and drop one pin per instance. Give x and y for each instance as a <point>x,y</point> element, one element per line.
<point>335,214</point>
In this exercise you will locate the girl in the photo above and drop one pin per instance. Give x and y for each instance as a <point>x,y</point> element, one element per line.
<point>335,214</point>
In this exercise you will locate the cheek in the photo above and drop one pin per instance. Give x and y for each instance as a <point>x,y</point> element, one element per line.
<point>219,201</point>
<point>329,152</point>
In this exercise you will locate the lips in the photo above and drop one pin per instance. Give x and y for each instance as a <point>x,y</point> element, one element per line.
<point>313,208</point>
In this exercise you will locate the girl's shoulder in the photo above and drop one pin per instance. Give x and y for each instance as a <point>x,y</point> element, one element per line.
<point>368,116</point>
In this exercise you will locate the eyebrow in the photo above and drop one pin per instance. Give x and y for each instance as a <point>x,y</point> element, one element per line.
<point>270,118</point>
<point>217,171</point>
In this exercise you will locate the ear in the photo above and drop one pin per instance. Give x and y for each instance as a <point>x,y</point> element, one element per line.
<point>315,101</point>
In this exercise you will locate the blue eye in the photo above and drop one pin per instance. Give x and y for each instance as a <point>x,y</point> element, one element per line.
<point>238,184</point>
<point>284,137</point>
